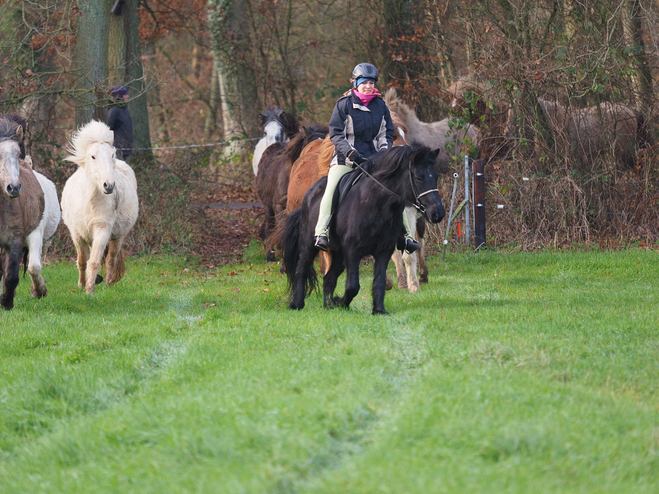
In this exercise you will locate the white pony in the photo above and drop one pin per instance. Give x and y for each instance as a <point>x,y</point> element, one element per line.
<point>39,240</point>
<point>278,126</point>
<point>99,204</point>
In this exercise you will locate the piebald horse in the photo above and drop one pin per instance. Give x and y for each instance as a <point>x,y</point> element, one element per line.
<point>278,126</point>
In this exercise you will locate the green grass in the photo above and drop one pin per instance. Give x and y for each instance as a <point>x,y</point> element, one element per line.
<point>506,373</point>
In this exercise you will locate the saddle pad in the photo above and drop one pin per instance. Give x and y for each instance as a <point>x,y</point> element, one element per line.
<point>344,186</point>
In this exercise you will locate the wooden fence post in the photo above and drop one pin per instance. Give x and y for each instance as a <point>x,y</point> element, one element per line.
<point>479,202</point>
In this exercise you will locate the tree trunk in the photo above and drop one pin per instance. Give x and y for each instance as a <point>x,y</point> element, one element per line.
<point>91,57</point>
<point>236,79</point>
<point>135,78</point>
<point>642,77</point>
<point>211,119</point>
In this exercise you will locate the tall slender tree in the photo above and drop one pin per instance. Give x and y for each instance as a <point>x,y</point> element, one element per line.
<point>237,82</point>
<point>92,39</point>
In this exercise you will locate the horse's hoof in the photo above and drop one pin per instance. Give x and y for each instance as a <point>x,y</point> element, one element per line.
<point>423,279</point>
<point>270,257</point>
<point>413,288</point>
<point>99,279</point>
<point>34,293</point>
<point>295,306</point>
<point>380,312</point>
<point>7,304</point>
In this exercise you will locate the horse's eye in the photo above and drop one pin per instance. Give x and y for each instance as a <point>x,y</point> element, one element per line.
<point>93,157</point>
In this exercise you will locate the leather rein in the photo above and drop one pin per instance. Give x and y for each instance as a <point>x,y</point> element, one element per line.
<point>419,207</point>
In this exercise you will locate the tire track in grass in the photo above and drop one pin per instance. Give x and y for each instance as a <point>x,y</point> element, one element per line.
<point>55,396</point>
<point>409,353</point>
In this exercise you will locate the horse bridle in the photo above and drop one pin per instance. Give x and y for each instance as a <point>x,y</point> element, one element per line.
<point>419,207</point>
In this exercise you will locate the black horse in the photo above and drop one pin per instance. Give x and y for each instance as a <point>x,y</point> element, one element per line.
<point>368,222</point>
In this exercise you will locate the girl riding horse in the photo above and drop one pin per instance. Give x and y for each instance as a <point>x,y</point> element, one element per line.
<point>360,126</point>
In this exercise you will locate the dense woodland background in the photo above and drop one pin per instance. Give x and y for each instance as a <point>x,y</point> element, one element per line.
<point>200,72</point>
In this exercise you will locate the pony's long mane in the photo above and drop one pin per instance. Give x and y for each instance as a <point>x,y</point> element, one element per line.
<point>325,154</point>
<point>404,113</point>
<point>301,139</point>
<point>87,135</point>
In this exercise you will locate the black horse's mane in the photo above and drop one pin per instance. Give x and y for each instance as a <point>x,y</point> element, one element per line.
<point>389,161</point>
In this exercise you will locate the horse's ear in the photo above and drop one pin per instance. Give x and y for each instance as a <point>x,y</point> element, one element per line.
<point>261,120</point>
<point>19,133</point>
<point>433,153</point>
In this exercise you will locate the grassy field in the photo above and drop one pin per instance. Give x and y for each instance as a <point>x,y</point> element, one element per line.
<point>506,373</point>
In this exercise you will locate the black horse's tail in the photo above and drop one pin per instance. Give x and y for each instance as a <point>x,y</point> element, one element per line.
<point>291,253</point>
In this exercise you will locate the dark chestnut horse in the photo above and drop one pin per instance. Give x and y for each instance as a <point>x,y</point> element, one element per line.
<point>274,172</point>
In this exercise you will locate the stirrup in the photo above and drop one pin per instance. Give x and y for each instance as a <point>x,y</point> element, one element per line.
<point>411,245</point>
<point>322,243</point>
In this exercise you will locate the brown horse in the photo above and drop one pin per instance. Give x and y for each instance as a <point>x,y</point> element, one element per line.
<point>273,177</point>
<point>21,207</point>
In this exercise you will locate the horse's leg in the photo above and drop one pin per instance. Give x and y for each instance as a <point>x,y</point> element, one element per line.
<point>35,246</point>
<point>411,260</point>
<point>269,227</point>
<point>379,282</point>
<point>101,239</point>
<point>113,255</point>
<point>304,266</point>
<point>82,251</point>
<point>389,284</point>
<point>401,275</point>
<point>352,280</point>
<point>330,280</point>
<point>423,267</point>
<point>12,266</point>
<point>410,268</point>
<point>421,253</point>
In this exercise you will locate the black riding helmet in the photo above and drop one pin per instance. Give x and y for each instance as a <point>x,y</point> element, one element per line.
<point>366,70</point>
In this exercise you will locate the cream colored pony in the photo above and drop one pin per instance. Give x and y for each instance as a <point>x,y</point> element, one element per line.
<point>99,204</point>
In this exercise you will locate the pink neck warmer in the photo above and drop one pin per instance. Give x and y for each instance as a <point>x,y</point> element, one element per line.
<point>366,98</point>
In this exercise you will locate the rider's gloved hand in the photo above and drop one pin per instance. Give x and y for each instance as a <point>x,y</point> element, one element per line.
<point>356,157</point>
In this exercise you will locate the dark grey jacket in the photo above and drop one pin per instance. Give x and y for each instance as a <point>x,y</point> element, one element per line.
<point>120,122</point>
<point>368,129</point>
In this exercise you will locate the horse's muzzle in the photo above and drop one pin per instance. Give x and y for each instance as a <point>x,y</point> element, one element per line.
<point>108,188</point>
<point>435,215</point>
<point>13,190</point>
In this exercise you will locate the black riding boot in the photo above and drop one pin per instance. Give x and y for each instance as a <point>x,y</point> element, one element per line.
<point>322,243</point>
<point>411,245</point>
